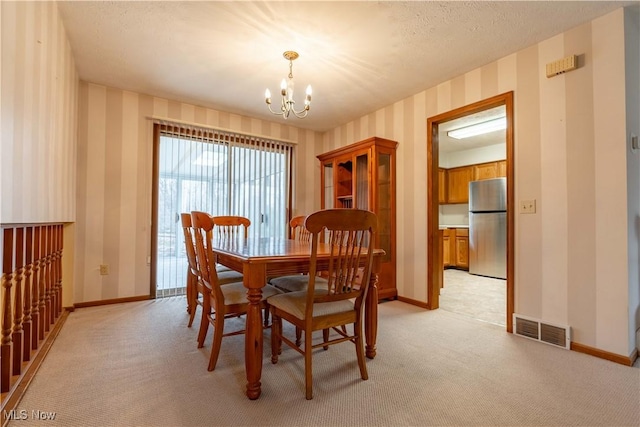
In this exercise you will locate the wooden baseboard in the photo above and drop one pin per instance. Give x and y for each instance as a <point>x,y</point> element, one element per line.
<point>613,357</point>
<point>413,302</point>
<point>14,396</point>
<point>111,301</point>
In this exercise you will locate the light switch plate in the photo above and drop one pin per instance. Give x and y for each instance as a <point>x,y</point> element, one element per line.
<point>527,206</point>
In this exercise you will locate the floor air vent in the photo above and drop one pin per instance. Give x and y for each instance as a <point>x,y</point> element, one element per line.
<point>535,329</point>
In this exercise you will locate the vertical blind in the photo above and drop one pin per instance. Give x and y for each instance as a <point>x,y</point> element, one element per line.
<point>221,173</point>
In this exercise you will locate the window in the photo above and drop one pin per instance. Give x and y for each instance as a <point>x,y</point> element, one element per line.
<point>220,173</point>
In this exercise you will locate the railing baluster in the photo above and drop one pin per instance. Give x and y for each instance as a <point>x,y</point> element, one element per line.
<point>47,280</point>
<point>55,295</point>
<point>53,302</point>
<point>61,251</point>
<point>26,324</point>
<point>58,276</point>
<point>31,303</point>
<point>52,296</point>
<point>16,337</point>
<point>41,285</point>
<point>54,273</point>
<point>35,287</point>
<point>5,346</point>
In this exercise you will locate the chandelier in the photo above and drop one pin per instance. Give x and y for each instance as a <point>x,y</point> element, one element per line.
<point>287,105</point>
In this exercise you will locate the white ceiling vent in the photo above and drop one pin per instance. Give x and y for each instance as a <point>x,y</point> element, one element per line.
<point>535,329</point>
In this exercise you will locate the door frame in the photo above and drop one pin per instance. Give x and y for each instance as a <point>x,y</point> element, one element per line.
<point>434,241</point>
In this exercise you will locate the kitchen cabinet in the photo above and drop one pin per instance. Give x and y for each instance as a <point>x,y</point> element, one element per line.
<point>489,170</point>
<point>455,248</point>
<point>363,176</point>
<point>446,247</point>
<point>485,171</point>
<point>458,184</point>
<point>461,245</point>
<point>453,184</point>
<point>502,168</point>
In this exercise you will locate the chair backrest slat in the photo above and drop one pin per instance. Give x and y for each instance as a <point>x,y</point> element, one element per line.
<point>230,226</point>
<point>298,230</point>
<point>189,242</point>
<point>350,237</point>
<point>203,227</point>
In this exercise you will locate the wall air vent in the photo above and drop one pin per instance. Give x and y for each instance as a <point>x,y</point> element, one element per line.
<point>527,328</point>
<point>537,330</point>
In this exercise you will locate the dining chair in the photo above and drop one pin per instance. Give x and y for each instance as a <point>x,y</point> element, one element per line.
<point>298,231</point>
<point>193,285</point>
<point>230,226</point>
<point>295,282</point>
<point>227,226</point>
<point>218,302</point>
<point>350,236</point>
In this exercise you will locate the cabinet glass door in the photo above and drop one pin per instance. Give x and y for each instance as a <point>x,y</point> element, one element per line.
<point>362,182</point>
<point>384,210</point>
<point>328,186</point>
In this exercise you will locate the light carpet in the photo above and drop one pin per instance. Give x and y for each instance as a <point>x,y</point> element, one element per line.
<point>136,364</point>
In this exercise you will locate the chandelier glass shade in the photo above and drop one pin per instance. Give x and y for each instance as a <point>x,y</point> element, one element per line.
<point>287,104</point>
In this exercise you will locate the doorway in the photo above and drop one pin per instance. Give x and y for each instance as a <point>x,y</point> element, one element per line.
<point>438,240</point>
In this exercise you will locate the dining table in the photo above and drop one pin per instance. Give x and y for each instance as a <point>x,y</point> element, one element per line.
<point>259,259</point>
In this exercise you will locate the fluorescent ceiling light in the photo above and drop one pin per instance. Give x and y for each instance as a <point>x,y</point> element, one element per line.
<point>479,128</point>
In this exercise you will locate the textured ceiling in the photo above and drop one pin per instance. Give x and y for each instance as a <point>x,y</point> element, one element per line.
<point>358,56</point>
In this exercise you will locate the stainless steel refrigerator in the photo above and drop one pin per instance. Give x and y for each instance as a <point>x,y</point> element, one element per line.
<point>488,227</point>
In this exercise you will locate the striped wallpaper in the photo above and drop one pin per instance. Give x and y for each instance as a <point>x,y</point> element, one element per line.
<point>39,96</point>
<point>115,179</point>
<point>572,257</point>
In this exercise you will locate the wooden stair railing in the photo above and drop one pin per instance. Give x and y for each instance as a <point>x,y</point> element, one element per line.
<point>31,296</point>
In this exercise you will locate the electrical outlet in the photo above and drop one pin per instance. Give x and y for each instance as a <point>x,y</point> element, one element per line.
<point>527,206</point>
<point>104,269</point>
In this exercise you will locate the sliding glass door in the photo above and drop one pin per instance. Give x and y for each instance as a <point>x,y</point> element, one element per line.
<point>218,173</point>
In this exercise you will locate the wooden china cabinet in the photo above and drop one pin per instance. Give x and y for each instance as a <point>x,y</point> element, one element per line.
<point>363,176</point>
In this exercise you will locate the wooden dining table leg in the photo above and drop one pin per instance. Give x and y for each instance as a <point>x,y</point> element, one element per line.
<point>371,312</point>
<point>254,279</point>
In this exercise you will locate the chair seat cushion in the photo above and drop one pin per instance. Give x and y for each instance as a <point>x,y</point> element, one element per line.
<point>220,267</point>
<point>236,293</point>
<point>297,283</point>
<point>295,303</point>
<point>228,276</point>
